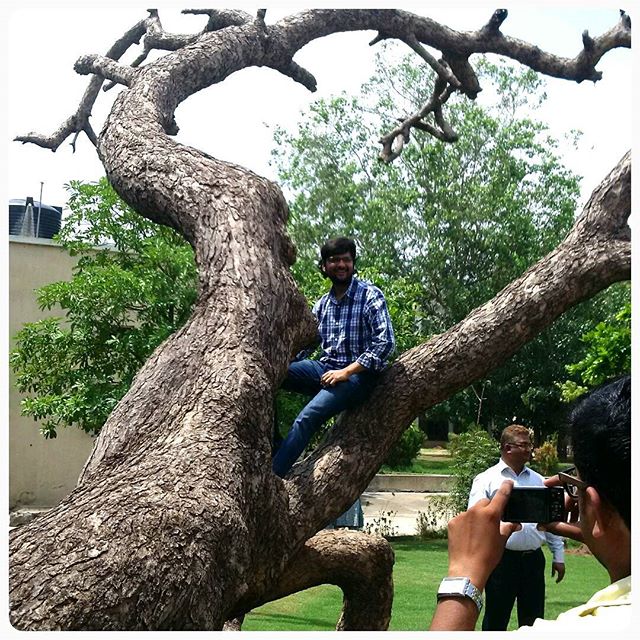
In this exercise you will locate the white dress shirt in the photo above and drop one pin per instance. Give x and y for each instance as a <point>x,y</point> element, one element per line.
<point>528,538</point>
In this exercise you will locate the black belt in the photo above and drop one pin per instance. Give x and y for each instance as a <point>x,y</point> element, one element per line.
<point>522,553</point>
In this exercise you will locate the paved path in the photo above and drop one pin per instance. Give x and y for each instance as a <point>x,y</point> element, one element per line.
<point>404,507</point>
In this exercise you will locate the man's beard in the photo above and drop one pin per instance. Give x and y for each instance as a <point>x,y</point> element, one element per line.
<point>341,281</point>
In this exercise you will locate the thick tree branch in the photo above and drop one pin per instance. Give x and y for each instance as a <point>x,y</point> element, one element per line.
<point>359,563</point>
<point>595,254</point>
<point>291,34</point>
<point>457,47</point>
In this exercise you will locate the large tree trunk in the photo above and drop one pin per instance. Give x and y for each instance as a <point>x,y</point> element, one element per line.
<point>177,521</point>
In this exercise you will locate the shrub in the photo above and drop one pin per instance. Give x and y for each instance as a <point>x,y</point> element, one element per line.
<point>382,525</point>
<point>472,452</point>
<point>545,457</point>
<point>432,524</point>
<point>406,448</point>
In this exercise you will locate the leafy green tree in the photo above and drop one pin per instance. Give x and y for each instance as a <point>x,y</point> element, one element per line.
<point>451,224</point>
<point>608,354</point>
<point>472,452</point>
<point>406,448</point>
<point>545,457</point>
<point>133,285</point>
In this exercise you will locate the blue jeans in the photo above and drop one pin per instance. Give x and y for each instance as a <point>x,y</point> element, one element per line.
<point>304,377</point>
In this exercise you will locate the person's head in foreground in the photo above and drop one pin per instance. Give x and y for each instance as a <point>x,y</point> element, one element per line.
<point>598,488</point>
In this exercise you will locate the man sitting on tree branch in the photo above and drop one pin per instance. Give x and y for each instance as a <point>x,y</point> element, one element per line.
<point>356,338</point>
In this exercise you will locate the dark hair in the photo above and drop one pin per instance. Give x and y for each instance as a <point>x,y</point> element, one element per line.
<point>601,435</point>
<point>335,247</point>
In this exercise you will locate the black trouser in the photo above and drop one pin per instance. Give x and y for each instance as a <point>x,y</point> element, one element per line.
<point>519,575</point>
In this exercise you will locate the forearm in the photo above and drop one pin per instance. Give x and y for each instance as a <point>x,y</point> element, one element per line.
<point>454,614</point>
<point>376,354</point>
<point>556,544</point>
<point>336,376</point>
<point>476,544</point>
<point>460,613</point>
<point>354,367</point>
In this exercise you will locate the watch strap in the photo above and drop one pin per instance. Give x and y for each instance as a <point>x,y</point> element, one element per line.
<point>460,587</point>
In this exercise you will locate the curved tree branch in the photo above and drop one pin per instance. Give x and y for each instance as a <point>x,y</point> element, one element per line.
<point>359,563</point>
<point>595,254</point>
<point>187,449</point>
<point>79,121</point>
<point>291,34</point>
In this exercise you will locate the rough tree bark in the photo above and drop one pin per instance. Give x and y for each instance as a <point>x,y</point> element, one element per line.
<point>177,521</point>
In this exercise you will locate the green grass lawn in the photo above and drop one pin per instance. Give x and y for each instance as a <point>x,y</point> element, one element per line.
<point>428,461</point>
<point>436,462</point>
<point>424,466</point>
<point>419,567</point>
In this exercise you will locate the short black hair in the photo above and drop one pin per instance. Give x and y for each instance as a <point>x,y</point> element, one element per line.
<point>336,246</point>
<point>601,436</point>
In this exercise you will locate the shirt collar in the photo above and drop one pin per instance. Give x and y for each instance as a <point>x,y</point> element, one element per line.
<point>350,292</point>
<point>502,465</point>
<point>615,594</point>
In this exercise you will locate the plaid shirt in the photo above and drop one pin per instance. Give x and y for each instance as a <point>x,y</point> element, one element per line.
<point>355,328</point>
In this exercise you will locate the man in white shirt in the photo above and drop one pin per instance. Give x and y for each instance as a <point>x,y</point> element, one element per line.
<point>520,574</point>
<point>599,494</point>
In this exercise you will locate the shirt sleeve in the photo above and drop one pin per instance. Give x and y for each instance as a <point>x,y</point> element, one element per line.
<point>478,491</point>
<point>382,341</point>
<point>556,544</point>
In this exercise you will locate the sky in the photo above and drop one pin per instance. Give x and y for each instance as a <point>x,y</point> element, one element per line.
<point>234,120</point>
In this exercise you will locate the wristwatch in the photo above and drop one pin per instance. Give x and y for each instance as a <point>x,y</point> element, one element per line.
<point>460,588</point>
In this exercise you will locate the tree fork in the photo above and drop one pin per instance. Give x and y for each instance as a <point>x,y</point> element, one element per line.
<point>595,254</point>
<point>177,517</point>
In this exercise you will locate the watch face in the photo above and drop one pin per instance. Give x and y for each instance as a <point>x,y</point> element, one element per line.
<point>456,585</point>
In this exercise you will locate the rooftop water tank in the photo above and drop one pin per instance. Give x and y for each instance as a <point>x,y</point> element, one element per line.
<point>28,218</point>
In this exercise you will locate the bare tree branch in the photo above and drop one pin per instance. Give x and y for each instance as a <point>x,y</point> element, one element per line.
<point>393,142</point>
<point>299,74</point>
<point>105,68</point>
<point>80,119</point>
<point>291,34</point>
<point>443,70</point>
<point>221,18</point>
<point>260,19</point>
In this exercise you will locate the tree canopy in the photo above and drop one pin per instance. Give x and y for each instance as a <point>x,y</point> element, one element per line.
<point>124,299</point>
<point>444,227</point>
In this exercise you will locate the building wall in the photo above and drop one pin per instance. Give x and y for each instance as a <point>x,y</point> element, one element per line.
<point>41,472</point>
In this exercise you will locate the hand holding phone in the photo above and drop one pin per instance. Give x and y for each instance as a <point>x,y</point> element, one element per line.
<point>568,529</point>
<point>535,504</point>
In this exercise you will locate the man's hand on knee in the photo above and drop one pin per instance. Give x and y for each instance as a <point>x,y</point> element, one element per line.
<point>335,376</point>
<point>332,378</point>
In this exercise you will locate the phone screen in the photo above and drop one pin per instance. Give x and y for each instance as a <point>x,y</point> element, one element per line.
<point>535,504</point>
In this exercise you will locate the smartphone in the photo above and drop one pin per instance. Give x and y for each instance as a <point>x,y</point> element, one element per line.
<point>535,504</point>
